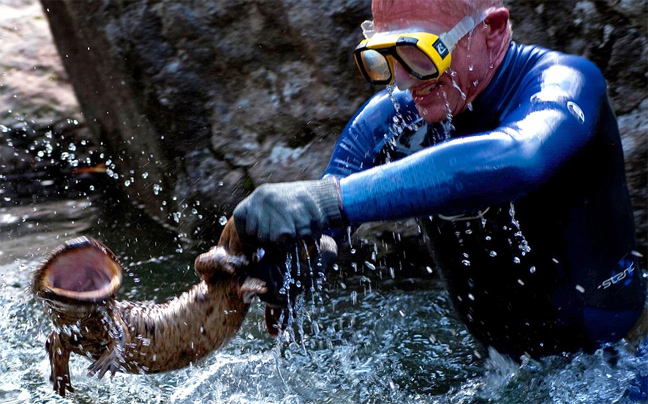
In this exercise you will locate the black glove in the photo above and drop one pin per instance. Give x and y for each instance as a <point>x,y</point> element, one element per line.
<point>308,265</point>
<point>284,212</point>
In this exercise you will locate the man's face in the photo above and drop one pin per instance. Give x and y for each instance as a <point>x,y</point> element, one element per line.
<point>450,95</point>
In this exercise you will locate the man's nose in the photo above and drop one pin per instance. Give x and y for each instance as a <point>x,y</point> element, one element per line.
<point>402,79</point>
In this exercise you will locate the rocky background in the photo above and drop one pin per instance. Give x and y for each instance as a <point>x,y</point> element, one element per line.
<point>188,106</point>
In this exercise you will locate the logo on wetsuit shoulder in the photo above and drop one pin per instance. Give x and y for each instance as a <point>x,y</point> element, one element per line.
<point>576,111</point>
<point>441,48</point>
<point>618,277</point>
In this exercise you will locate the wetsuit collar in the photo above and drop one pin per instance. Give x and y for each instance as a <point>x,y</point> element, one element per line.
<point>495,101</point>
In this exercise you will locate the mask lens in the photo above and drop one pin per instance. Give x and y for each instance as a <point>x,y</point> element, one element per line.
<point>416,60</point>
<point>376,65</point>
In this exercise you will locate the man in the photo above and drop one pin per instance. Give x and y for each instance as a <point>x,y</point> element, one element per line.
<point>510,158</point>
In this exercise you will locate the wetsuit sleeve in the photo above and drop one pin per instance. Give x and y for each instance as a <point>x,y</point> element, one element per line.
<point>366,134</point>
<point>554,118</point>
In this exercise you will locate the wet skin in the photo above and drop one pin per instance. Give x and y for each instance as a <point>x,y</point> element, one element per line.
<point>474,59</point>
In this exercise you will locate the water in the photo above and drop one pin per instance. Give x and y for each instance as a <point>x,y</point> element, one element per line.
<point>395,341</point>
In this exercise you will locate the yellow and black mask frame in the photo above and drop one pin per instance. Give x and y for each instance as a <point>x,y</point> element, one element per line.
<point>424,55</point>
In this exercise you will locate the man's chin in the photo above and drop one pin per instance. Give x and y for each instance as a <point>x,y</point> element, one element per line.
<point>433,113</point>
<point>432,107</point>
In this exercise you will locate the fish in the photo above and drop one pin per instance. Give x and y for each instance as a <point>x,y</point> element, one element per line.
<point>78,283</point>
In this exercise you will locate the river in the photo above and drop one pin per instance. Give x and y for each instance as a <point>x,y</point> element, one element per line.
<point>363,339</point>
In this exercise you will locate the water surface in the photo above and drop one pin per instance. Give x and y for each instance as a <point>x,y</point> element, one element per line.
<point>362,340</point>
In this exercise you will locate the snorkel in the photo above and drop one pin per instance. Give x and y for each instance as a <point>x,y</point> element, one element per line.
<point>463,27</point>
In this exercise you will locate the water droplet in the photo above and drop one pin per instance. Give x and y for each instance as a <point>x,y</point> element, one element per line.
<point>222,220</point>
<point>493,254</point>
<point>456,87</point>
<point>516,260</point>
<point>466,263</point>
<point>532,269</point>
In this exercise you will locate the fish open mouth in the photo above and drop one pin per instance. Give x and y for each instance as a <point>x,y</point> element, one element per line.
<point>82,270</point>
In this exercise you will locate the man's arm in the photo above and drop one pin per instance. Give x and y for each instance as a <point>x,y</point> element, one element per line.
<point>553,121</point>
<point>284,212</point>
<point>376,123</point>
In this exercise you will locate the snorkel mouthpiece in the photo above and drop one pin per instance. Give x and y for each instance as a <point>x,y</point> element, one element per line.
<point>367,29</point>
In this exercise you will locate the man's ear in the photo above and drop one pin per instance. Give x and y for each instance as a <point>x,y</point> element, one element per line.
<point>497,22</point>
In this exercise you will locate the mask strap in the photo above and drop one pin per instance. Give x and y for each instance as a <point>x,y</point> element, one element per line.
<point>463,27</point>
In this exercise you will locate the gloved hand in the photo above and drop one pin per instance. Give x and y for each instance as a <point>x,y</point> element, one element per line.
<point>307,264</point>
<point>284,212</point>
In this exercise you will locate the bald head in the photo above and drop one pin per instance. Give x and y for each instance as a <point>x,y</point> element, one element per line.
<point>475,57</point>
<point>450,11</point>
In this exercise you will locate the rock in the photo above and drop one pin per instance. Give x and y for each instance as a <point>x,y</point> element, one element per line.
<point>257,88</point>
<point>610,33</point>
<point>634,135</point>
<point>188,95</point>
<point>33,84</point>
<point>43,139</point>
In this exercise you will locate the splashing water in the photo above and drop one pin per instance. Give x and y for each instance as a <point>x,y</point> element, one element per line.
<point>468,53</point>
<point>522,242</point>
<point>447,125</point>
<point>401,123</point>
<point>398,342</point>
<point>453,74</point>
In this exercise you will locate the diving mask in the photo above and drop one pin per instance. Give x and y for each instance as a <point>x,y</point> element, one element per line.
<point>424,55</point>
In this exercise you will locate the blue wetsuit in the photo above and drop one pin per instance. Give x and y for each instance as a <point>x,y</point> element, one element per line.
<point>523,199</point>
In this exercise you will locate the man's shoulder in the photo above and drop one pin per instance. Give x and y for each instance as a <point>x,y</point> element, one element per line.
<point>544,58</point>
